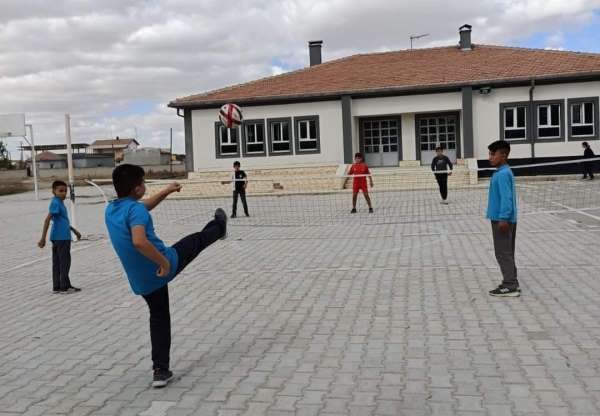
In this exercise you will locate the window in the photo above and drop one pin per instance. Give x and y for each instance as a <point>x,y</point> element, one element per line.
<point>307,134</point>
<point>253,138</point>
<point>582,116</point>
<point>280,136</point>
<point>549,119</point>
<point>515,122</point>
<point>226,141</point>
<point>437,131</point>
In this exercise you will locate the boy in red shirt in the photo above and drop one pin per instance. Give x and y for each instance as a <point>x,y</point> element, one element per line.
<point>359,183</point>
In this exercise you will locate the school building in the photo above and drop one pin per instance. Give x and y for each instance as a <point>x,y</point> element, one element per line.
<point>396,107</point>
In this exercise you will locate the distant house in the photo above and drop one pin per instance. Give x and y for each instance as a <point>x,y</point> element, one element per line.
<point>397,107</point>
<point>49,160</point>
<point>147,156</point>
<point>114,147</point>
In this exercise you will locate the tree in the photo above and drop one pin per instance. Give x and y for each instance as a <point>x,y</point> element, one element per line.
<point>5,162</point>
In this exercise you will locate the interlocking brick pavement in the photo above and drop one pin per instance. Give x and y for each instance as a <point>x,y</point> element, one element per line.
<point>388,319</point>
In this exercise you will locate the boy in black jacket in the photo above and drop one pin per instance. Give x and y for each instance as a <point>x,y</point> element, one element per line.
<point>442,164</point>
<point>588,153</point>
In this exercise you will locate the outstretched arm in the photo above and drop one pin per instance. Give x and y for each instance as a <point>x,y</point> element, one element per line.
<point>42,242</point>
<point>157,198</point>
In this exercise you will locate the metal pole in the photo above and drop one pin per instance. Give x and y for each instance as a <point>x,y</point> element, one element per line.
<point>70,168</point>
<point>171,153</point>
<point>33,162</point>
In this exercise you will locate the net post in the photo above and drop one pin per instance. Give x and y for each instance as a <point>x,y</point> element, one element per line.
<point>70,168</point>
<point>34,163</point>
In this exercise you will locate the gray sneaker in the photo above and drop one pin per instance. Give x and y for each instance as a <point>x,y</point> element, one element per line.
<point>221,215</point>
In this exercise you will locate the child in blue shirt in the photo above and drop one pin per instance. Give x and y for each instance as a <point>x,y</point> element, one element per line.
<point>148,262</point>
<point>60,235</point>
<point>502,212</point>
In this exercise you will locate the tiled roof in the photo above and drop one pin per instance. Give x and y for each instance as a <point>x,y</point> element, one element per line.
<point>406,70</point>
<point>113,143</point>
<point>49,157</point>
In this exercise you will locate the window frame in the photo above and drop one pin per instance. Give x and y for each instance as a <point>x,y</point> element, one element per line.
<point>298,139</point>
<point>245,151</point>
<point>270,122</point>
<point>595,121</point>
<point>218,153</point>
<point>528,124</point>
<point>561,120</point>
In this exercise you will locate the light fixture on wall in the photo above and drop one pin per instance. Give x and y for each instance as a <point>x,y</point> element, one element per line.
<point>485,90</point>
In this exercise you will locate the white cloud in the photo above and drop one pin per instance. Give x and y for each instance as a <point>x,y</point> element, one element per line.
<point>98,60</point>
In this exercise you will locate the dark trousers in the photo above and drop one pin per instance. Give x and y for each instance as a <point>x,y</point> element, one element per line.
<point>242,195</point>
<point>588,170</point>
<point>442,180</point>
<point>61,264</point>
<point>187,249</point>
<point>504,248</point>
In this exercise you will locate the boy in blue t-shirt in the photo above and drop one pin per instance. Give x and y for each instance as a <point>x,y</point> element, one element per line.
<point>502,211</point>
<point>150,264</point>
<point>60,235</point>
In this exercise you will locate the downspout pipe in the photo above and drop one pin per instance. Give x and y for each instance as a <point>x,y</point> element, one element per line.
<point>531,118</point>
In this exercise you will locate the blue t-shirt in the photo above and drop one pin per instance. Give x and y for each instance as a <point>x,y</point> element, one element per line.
<point>502,197</point>
<point>120,216</point>
<point>61,228</point>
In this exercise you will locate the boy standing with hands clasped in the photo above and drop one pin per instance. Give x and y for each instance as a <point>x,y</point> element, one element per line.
<point>502,212</point>
<point>148,262</point>
<point>60,236</point>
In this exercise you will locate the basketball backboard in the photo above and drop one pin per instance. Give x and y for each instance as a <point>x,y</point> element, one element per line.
<point>12,125</point>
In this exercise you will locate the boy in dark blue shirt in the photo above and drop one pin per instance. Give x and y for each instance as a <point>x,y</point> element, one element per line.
<point>150,264</point>
<point>502,212</point>
<point>60,235</point>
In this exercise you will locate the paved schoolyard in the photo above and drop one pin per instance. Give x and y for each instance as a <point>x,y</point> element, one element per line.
<point>383,319</point>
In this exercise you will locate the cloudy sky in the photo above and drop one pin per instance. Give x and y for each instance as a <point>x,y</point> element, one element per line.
<point>115,64</point>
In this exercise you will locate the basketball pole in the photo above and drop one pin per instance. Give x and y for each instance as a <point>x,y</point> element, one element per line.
<point>33,162</point>
<point>70,168</point>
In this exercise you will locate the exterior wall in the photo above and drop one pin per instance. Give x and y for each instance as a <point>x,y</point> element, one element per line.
<point>330,127</point>
<point>406,106</point>
<point>93,162</point>
<point>54,164</point>
<point>486,118</point>
<point>148,157</point>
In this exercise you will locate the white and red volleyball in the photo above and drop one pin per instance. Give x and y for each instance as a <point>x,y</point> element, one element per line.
<point>230,115</point>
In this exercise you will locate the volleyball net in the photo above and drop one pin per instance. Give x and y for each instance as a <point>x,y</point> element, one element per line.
<point>398,196</point>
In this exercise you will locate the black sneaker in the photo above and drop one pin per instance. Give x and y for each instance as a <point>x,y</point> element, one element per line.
<point>220,215</point>
<point>505,292</point>
<point>353,211</point>
<point>56,291</point>
<point>73,289</point>
<point>370,210</point>
<point>161,378</point>
<point>247,215</point>
<point>232,216</point>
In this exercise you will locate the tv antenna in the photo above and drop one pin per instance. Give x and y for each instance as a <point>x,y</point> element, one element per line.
<point>413,37</point>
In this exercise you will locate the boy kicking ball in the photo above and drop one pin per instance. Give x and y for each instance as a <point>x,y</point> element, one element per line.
<point>150,264</point>
<point>502,212</point>
<point>359,182</point>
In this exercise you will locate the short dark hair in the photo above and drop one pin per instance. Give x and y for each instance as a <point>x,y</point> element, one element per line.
<point>501,146</point>
<point>56,184</point>
<point>439,148</point>
<point>586,144</point>
<point>358,154</point>
<point>237,163</point>
<point>126,177</point>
